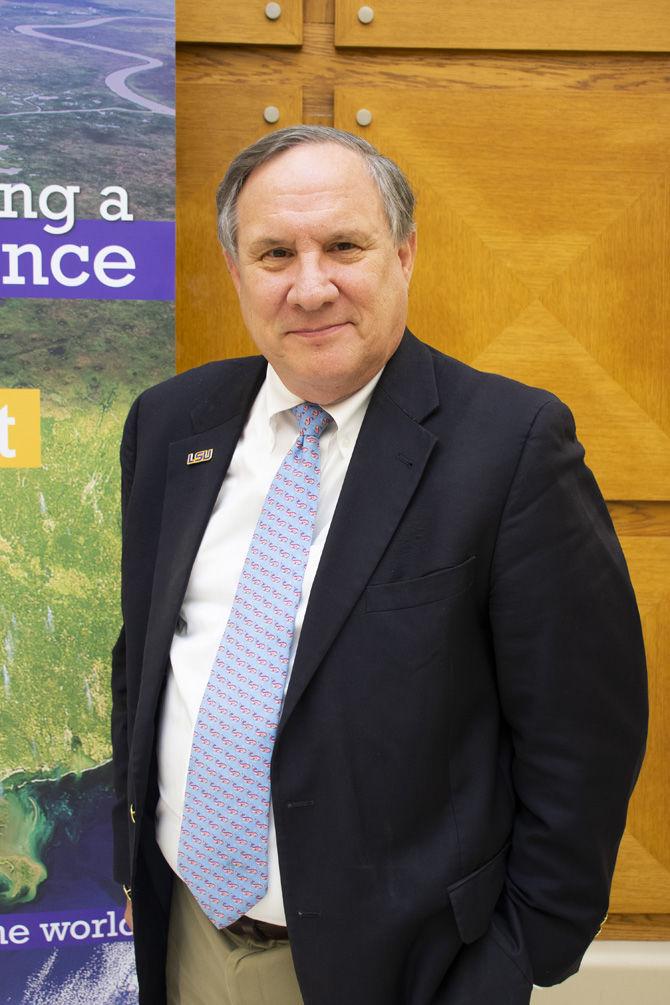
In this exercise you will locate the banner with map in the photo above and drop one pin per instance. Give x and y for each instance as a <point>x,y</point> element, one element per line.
<point>86,322</point>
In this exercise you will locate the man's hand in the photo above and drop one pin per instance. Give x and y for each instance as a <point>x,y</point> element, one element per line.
<point>128,914</point>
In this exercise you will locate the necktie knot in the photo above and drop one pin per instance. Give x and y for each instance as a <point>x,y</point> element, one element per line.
<point>311,418</point>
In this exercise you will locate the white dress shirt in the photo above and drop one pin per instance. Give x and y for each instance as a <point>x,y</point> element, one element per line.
<point>268,435</point>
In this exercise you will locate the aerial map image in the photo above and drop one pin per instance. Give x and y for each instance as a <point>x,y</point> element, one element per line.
<point>86,100</point>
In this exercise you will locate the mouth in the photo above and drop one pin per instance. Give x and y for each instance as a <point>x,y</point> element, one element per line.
<point>322,331</point>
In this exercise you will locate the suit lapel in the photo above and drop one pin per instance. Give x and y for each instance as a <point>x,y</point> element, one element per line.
<point>385,470</point>
<point>190,493</point>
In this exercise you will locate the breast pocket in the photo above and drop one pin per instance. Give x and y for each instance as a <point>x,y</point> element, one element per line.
<point>436,586</point>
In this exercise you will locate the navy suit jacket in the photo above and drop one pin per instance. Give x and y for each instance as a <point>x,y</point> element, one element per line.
<point>466,715</point>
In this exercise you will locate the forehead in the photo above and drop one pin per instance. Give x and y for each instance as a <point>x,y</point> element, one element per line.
<point>316,184</point>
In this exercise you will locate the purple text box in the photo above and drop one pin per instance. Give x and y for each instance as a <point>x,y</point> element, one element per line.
<point>62,928</point>
<point>75,266</point>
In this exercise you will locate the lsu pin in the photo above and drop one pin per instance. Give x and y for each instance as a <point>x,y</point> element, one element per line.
<point>200,456</point>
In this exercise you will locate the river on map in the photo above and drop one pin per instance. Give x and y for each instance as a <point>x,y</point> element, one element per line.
<point>73,842</point>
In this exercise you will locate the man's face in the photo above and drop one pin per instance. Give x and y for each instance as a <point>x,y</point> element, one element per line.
<point>322,286</point>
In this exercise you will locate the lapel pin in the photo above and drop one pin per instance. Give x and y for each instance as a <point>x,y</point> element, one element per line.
<point>200,456</point>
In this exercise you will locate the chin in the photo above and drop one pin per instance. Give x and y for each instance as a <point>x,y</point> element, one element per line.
<point>328,388</point>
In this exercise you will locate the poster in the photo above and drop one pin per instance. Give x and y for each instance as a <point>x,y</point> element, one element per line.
<point>86,323</point>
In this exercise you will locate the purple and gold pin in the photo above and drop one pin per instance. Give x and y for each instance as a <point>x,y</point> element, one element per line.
<point>200,456</point>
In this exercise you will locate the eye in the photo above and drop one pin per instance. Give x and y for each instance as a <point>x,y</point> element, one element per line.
<point>344,246</point>
<point>276,254</point>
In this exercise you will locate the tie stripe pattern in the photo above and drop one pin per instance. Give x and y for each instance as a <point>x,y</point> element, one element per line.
<point>223,844</point>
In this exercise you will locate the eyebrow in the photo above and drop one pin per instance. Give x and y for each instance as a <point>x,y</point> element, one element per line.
<point>265,243</point>
<point>349,235</point>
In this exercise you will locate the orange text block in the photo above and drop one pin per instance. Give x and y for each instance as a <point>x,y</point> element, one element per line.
<point>20,445</point>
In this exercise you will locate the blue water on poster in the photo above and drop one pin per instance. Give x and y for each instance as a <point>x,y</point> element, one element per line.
<point>78,859</point>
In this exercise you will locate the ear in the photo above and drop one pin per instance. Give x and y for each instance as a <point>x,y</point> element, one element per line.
<point>407,254</point>
<point>233,269</point>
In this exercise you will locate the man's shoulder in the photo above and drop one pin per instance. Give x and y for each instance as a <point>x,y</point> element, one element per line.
<point>221,381</point>
<point>197,398</point>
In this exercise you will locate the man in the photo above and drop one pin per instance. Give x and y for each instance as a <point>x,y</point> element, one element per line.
<point>379,701</point>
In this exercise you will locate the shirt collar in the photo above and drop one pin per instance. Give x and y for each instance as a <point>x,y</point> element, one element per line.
<point>278,398</point>
<point>347,414</point>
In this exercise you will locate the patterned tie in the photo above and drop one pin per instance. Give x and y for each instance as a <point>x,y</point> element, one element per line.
<point>223,845</point>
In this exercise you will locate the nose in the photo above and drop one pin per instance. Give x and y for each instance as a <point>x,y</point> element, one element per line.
<point>312,286</point>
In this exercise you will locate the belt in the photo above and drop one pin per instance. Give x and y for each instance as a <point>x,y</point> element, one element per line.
<point>250,926</point>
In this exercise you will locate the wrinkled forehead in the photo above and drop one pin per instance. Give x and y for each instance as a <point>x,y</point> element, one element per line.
<point>309,165</point>
<point>318,180</point>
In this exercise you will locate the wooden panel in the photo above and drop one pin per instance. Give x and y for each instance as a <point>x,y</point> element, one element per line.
<point>600,25</point>
<point>209,324</point>
<point>644,927</point>
<point>238,21</point>
<point>319,68</point>
<point>543,252</point>
<point>641,519</point>
<point>641,882</point>
<point>585,222</point>
<point>646,885</point>
<point>320,12</point>
<point>642,878</point>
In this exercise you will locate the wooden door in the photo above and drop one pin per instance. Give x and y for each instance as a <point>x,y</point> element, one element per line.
<point>233,21</point>
<point>543,222</point>
<point>542,179</point>
<point>208,137</point>
<point>574,25</point>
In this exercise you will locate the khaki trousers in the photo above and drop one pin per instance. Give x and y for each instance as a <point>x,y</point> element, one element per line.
<point>208,966</point>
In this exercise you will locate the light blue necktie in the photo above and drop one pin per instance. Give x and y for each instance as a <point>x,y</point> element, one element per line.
<point>223,845</point>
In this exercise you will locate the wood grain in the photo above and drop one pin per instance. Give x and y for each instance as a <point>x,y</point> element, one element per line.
<point>602,25</point>
<point>318,67</point>
<point>543,239</point>
<point>645,927</point>
<point>319,11</point>
<point>543,183</point>
<point>647,871</point>
<point>614,72</point>
<point>209,325</point>
<point>641,883</point>
<point>625,448</point>
<point>641,519</point>
<point>234,22</point>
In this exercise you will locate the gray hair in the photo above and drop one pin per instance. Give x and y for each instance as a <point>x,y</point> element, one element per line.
<point>395,191</point>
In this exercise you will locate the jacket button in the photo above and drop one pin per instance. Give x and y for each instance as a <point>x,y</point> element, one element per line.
<point>132,813</point>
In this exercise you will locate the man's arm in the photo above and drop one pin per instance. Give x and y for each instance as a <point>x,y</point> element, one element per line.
<point>572,685</point>
<point>120,745</point>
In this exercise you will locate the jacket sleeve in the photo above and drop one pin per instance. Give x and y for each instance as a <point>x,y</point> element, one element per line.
<point>120,745</point>
<point>572,684</point>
